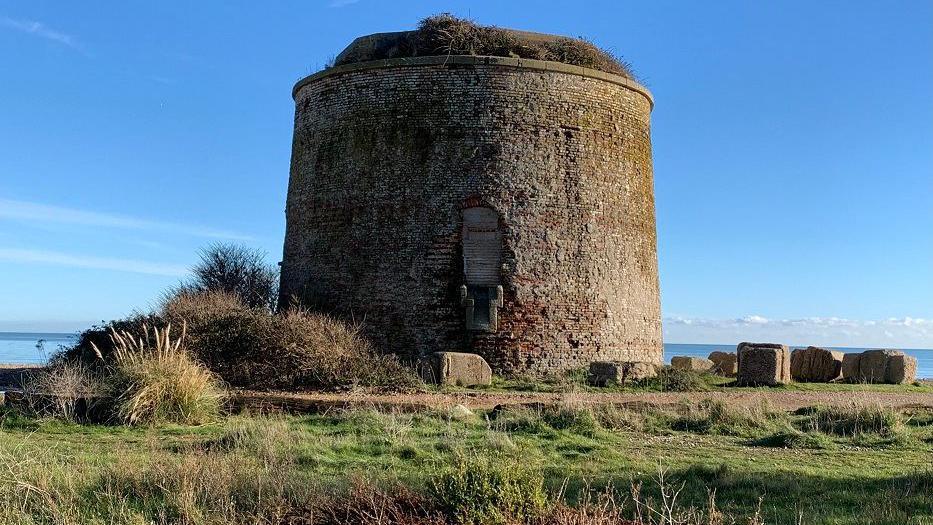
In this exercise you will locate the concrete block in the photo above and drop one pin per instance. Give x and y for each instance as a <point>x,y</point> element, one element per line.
<point>873,365</point>
<point>763,364</point>
<point>814,364</point>
<point>901,370</point>
<point>850,365</point>
<point>455,368</point>
<point>603,373</point>
<point>724,363</point>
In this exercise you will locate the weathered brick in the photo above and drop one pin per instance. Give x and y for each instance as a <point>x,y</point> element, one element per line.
<point>385,158</point>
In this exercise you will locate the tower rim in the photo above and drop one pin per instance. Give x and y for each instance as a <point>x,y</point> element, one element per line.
<point>494,61</point>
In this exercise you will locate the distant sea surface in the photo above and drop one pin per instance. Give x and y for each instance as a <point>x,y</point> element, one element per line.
<point>26,347</point>
<point>32,347</point>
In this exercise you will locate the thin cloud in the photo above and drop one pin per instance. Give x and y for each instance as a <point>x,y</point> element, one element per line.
<point>32,211</point>
<point>97,263</point>
<point>165,81</point>
<point>39,29</point>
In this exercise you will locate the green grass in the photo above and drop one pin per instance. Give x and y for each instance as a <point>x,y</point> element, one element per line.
<point>795,462</point>
<point>575,381</point>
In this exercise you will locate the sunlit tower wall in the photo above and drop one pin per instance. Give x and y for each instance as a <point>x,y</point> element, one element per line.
<point>501,206</point>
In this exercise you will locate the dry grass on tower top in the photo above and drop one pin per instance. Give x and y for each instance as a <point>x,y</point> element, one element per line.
<point>445,34</point>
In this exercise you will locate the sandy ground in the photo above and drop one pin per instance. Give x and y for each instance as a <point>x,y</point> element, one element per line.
<point>321,402</point>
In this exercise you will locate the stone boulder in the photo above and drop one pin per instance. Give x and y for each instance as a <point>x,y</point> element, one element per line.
<point>455,368</point>
<point>695,364</point>
<point>603,373</point>
<point>815,365</point>
<point>880,366</point>
<point>902,370</point>
<point>850,363</point>
<point>724,363</point>
<point>873,365</point>
<point>763,364</point>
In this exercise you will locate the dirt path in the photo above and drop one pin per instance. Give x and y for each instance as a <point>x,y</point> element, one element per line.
<point>316,402</point>
<point>321,402</point>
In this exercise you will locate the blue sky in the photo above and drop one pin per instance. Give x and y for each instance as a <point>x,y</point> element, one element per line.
<point>793,148</point>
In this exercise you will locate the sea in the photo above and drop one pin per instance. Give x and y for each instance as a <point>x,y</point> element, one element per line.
<point>32,347</point>
<point>924,356</point>
<point>36,348</point>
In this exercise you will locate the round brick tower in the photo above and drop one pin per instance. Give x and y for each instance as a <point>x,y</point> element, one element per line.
<point>502,206</point>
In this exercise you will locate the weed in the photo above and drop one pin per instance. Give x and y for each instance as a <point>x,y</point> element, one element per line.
<point>716,417</point>
<point>793,438</point>
<point>489,490</point>
<point>855,421</point>
<point>445,34</point>
<point>66,390</point>
<point>671,379</point>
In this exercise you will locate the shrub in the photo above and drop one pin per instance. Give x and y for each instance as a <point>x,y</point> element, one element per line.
<point>582,52</point>
<point>236,270</point>
<point>66,390</point>
<point>578,419</point>
<point>223,333</point>
<point>793,438</point>
<point>490,490</point>
<point>96,339</point>
<point>671,379</point>
<point>253,348</point>
<point>519,420</point>
<point>248,347</point>
<point>155,380</point>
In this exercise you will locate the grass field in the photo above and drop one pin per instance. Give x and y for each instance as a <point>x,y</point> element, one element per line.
<point>817,465</point>
<point>576,381</point>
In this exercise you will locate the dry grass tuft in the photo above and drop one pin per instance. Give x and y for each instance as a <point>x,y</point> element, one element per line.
<point>856,420</point>
<point>155,379</point>
<point>445,34</point>
<point>64,390</point>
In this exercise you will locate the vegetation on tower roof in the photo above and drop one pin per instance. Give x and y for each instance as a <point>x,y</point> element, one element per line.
<point>445,34</point>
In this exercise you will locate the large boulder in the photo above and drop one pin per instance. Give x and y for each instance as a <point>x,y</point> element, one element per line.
<point>902,370</point>
<point>695,364</point>
<point>880,366</point>
<point>873,365</point>
<point>763,364</point>
<point>724,363</point>
<point>455,368</point>
<point>850,364</point>
<point>603,373</point>
<point>816,365</point>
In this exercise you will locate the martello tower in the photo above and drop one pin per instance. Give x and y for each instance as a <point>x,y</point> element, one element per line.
<point>501,205</point>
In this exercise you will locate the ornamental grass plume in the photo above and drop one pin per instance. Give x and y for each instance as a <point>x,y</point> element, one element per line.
<point>154,379</point>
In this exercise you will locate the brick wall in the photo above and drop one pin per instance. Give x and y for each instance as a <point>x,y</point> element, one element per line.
<point>384,159</point>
